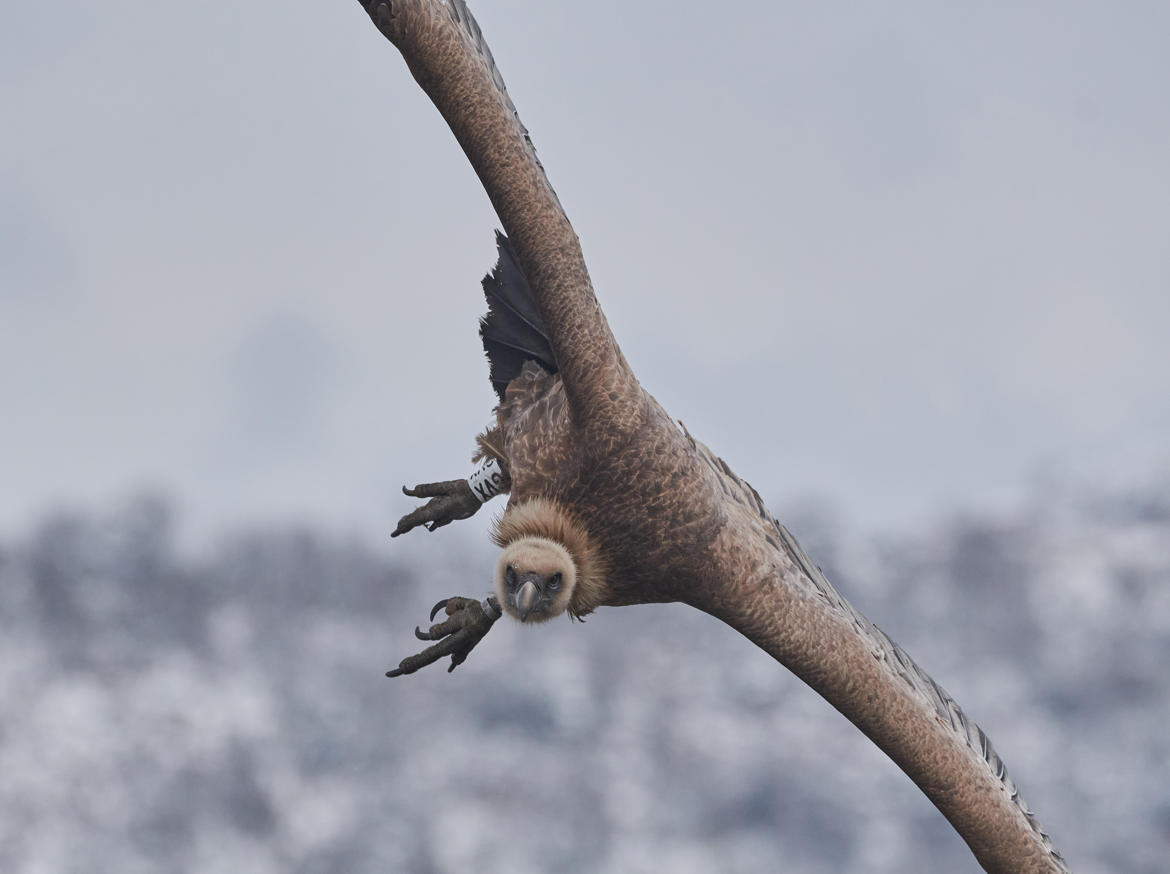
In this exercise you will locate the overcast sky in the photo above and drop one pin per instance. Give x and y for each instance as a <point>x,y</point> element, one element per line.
<point>893,256</point>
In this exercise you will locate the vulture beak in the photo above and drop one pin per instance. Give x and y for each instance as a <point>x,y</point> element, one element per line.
<point>527,597</point>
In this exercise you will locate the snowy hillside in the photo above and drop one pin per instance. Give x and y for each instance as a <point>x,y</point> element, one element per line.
<point>161,714</point>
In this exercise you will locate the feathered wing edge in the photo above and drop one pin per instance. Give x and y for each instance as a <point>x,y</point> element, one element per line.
<point>881,648</point>
<point>946,707</point>
<point>462,14</point>
<point>449,58</point>
<point>512,331</point>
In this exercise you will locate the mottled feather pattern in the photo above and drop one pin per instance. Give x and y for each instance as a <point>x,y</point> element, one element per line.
<point>490,444</point>
<point>534,422</point>
<point>656,516</point>
<point>470,26</point>
<point>883,645</point>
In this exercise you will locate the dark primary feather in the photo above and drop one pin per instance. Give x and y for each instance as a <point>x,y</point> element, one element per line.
<point>512,331</point>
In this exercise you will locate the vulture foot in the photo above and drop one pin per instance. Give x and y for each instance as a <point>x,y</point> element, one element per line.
<point>466,624</point>
<point>449,501</point>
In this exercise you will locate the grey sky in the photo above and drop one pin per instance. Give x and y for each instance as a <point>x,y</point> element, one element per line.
<point>897,258</point>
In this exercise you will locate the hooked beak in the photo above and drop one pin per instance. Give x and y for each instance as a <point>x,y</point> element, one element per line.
<point>527,597</point>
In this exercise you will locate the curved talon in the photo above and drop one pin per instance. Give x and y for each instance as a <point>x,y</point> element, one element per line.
<point>468,620</point>
<point>445,502</point>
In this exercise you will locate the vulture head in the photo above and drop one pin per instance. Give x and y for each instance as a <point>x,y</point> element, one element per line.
<point>535,578</point>
<point>549,564</point>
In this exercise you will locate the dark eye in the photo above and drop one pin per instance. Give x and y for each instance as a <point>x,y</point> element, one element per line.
<point>510,576</point>
<point>554,582</point>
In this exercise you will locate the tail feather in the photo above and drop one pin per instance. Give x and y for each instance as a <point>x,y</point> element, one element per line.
<point>512,331</point>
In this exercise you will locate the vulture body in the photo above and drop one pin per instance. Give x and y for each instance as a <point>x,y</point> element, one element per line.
<point>613,503</point>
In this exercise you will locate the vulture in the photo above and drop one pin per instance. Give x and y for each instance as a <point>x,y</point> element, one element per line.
<point>612,502</point>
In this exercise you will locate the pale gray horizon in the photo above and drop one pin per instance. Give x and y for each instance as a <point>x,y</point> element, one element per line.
<point>894,260</point>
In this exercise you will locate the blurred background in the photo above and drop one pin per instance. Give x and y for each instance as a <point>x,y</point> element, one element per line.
<point>906,270</point>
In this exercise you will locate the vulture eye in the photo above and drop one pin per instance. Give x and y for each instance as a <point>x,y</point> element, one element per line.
<point>554,582</point>
<point>510,576</point>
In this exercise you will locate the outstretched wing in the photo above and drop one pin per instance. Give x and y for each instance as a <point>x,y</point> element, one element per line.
<point>776,596</point>
<point>767,587</point>
<point>447,55</point>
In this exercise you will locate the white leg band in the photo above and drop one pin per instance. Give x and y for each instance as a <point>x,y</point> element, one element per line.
<point>487,481</point>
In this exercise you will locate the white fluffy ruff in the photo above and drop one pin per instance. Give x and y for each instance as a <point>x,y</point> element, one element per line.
<point>545,522</point>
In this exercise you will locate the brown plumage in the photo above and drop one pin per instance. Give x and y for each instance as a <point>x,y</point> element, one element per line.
<point>598,467</point>
<point>541,536</point>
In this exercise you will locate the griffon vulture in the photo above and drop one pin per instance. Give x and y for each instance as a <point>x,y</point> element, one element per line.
<point>612,503</point>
